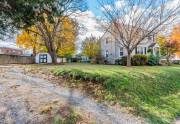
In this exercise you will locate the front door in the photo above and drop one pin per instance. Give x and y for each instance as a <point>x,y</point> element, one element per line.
<point>43,58</point>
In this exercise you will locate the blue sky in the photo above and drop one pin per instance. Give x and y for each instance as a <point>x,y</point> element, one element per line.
<point>93,6</point>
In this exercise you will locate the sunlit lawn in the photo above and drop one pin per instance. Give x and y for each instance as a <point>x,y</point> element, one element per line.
<point>153,92</point>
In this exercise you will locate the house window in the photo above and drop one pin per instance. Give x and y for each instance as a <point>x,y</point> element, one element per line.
<point>121,51</point>
<point>107,53</point>
<point>139,50</point>
<point>149,37</point>
<point>107,40</point>
<point>43,58</point>
<point>145,50</point>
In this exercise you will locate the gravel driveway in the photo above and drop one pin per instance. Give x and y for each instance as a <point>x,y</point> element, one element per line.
<point>21,97</point>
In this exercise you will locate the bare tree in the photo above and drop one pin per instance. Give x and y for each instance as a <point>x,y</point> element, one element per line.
<point>130,22</point>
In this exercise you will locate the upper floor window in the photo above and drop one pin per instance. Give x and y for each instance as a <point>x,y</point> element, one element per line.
<point>107,53</point>
<point>149,37</point>
<point>121,51</point>
<point>108,40</point>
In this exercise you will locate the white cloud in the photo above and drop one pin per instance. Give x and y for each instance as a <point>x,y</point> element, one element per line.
<point>89,27</point>
<point>89,22</point>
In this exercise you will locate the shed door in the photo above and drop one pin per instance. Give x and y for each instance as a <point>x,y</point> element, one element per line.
<point>43,58</point>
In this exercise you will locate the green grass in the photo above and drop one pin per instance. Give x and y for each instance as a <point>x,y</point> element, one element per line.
<point>152,92</point>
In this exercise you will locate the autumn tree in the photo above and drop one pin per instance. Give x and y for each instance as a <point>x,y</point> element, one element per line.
<point>175,35</point>
<point>91,47</point>
<point>171,48</point>
<point>50,28</point>
<point>162,42</point>
<point>22,14</point>
<point>64,40</point>
<point>130,22</point>
<point>30,41</point>
<point>168,47</point>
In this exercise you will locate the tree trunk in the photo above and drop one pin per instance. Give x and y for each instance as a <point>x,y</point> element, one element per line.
<point>54,57</point>
<point>34,54</point>
<point>168,60</point>
<point>129,59</point>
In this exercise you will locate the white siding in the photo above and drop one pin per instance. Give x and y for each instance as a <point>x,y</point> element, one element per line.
<point>49,59</point>
<point>113,48</point>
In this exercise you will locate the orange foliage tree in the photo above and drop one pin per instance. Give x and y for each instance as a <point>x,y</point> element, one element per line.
<point>176,36</point>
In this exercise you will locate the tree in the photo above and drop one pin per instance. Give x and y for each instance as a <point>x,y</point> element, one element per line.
<point>162,42</point>
<point>30,41</point>
<point>171,48</point>
<point>66,45</point>
<point>91,47</point>
<point>130,22</point>
<point>22,13</point>
<point>47,19</point>
<point>18,14</point>
<point>63,40</point>
<point>168,47</point>
<point>175,35</point>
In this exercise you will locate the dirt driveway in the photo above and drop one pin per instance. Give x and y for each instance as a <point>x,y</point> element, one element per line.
<point>22,98</point>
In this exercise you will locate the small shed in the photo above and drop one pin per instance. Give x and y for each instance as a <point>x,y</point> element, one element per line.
<point>43,58</point>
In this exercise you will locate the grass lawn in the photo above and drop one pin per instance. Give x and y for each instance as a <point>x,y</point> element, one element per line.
<point>152,92</point>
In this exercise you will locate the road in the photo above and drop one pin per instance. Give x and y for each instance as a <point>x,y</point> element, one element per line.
<point>22,96</point>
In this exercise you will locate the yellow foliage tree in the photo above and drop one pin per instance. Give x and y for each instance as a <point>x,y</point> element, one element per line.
<point>91,47</point>
<point>30,40</point>
<point>66,46</point>
<point>162,41</point>
<point>58,37</point>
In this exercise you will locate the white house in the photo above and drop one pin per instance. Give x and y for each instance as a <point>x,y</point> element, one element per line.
<point>112,50</point>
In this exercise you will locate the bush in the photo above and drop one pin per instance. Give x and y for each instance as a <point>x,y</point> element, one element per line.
<point>139,60</point>
<point>176,62</point>
<point>153,60</point>
<point>121,61</point>
<point>118,61</point>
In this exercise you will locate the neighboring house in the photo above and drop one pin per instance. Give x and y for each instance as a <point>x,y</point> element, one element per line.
<point>85,59</point>
<point>112,50</point>
<point>11,51</point>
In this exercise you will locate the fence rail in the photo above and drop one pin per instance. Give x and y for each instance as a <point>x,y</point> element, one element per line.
<point>14,59</point>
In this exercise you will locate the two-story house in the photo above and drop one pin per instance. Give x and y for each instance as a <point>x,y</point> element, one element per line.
<point>112,49</point>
